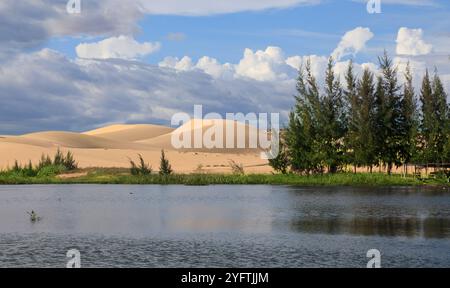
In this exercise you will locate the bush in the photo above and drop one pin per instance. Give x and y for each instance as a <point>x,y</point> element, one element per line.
<point>69,162</point>
<point>236,168</point>
<point>141,169</point>
<point>164,168</point>
<point>44,162</point>
<point>51,170</point>
<point>46,167</point>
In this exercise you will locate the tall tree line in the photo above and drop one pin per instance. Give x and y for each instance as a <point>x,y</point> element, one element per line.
<point>368,121</point>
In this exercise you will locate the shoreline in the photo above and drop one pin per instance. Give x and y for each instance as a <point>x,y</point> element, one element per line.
<point>117,176</point>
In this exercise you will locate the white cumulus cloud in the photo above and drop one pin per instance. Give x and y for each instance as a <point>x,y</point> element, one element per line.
<point>352,42</point>
<point>410,42</point>
<point>122,47</point>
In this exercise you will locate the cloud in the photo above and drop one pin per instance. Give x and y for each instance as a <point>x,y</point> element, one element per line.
<point>208,7</point>
<point>267,65</point>
<point>271,65</point>
<point>82,94</point>
<point>212,67</point>
<point>183,64</point>
<point>410,42</point>
<point>28,24</point>
<point>352,42</point>
<point>123,47</point>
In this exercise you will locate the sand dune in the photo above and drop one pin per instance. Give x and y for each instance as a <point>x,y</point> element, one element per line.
<point>130,133</point>
<point>228,131</point>
<point>69,140</point>
<point>113,145</point>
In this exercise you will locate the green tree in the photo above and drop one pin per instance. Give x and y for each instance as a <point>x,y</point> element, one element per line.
<point>409,120</point>
<point>164,168</point>
<point>353,106</point>
<point>388,119</point>
<point>428,120</point>
<point>281,163</point>
<point>440,109</point>
<point>365,122</point>
<point>142,168</point>
<point>301,133</point>
<point>331,123</point>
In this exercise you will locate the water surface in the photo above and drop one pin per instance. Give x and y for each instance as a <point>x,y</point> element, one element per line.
<point>224,226</point>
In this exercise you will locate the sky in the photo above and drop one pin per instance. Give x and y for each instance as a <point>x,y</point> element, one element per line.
<point>141,61</point>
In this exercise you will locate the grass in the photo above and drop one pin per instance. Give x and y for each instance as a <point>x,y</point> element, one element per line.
<point>123,176</point>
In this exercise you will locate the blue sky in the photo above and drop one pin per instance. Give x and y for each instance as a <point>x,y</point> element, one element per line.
<point>141,61</point>
<point>314,29</point>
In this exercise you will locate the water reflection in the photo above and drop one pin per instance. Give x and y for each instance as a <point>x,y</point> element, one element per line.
<point>136,211</point>
<point>386,226</point>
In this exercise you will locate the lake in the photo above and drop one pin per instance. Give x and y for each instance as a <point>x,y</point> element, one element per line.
<point>224,226</point>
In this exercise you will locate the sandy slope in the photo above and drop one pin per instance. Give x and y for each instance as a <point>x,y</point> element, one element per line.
<point>112,146</point>
<point>130,133</point>
<point>229,131</point>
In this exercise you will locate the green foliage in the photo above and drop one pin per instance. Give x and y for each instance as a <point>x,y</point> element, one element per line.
<point>69,162</point>
<point>281,162</point>
<point>369,123</point>
<point>45,167</point>
<point>44,162</point>
<point>51,170</point>
<point>164,167</point>
<point>340,179</point>
<point>140,169</point>
<point>58,158</point>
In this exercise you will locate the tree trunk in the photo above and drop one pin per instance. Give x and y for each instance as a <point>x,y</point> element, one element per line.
<point>389,168</point>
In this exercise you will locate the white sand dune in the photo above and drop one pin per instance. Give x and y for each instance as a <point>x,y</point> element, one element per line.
<point>130,133</point>
<point>112,146</point>
<point>69,140</point>
<point>227,131</point>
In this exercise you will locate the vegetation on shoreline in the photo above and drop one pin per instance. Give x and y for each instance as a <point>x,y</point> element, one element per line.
<point>369,121</point>
<point>123,176</point>
<point>46,168</point>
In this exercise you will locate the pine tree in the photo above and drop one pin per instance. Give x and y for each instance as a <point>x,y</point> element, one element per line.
<point>447,146</point>
<point>331,124</point>
<point>428,120</point>
<point>301,133</point>
<point>440,108</point>
<point>364,125</point>
<point>409,120</point>
<point>58,160</point>
<point>165,168</point>
<point>69,162</point>
<point>281,162</point>
<point>390,121</point>
<point>352,118</point>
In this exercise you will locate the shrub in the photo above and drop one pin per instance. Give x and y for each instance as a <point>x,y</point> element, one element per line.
<point>59,158</point>
<point>164,168</point>
<point>51,170</point>
<point>69,162</point>
<point>141,169</point>
<point>236,168</point>
<point>44,162</point>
